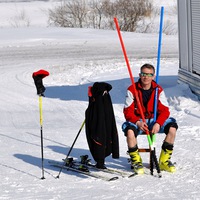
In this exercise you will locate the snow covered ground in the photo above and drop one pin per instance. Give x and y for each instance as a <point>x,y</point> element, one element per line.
<point>76,58</point>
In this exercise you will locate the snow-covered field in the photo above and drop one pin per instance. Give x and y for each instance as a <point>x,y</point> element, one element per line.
<point>76,58</point>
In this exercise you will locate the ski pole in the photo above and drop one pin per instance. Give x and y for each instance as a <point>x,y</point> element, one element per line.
<point>158,61</point>
<point>71,148</point>
<point>41,132</point>
<point>131,77</point>
<point>38,76</point>
<point>136,93</point>
<point>157,79</point>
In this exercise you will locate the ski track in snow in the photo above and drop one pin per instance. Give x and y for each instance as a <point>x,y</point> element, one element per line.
<point>77,58</point>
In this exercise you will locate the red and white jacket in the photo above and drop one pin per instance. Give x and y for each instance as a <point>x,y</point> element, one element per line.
<point>131,110</point>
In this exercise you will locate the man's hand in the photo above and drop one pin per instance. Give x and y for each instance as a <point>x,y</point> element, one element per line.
<point>156,128</point>
<point>142,126</point>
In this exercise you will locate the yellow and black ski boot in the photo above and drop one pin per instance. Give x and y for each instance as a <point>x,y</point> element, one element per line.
<point>165,163</point>
<point>136,161</point>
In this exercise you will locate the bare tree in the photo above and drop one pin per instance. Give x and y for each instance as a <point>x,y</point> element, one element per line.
<point>69,14</point>
<point>100,13</point>
<point>77,11</point>
<point>96,13</point>
<point>110,11</point>
<point>130,12</point>
<point>20,19</point>
<point>58,17</point>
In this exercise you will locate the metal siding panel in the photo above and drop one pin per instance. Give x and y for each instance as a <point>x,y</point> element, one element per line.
<point>183,35</point>
<point>195,20</point>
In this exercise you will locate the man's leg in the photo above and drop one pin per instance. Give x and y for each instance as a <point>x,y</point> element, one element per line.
<point>167,147</point>
<point>136,160</point>
<point>130,138</point>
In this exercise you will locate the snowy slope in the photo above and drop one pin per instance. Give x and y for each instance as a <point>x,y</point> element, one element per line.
<point>76,58</point>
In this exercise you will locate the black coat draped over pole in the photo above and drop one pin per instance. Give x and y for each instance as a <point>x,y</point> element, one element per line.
<point>101,130</point>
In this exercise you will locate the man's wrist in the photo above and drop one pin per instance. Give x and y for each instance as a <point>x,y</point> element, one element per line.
<point>137,122</point>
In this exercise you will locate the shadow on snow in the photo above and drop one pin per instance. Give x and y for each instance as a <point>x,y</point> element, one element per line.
<point>118,92</point>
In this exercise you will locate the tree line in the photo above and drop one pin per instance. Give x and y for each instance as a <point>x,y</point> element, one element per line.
<point>99,14</point>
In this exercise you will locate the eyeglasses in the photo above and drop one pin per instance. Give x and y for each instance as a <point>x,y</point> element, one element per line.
<point>146,74</point>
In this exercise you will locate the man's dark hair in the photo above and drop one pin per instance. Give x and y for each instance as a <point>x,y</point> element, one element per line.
<point>149,66</point>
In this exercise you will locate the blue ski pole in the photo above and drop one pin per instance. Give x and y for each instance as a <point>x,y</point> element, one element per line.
<point>158,61</point>
<point>158,67</point>
<point>156,92</point>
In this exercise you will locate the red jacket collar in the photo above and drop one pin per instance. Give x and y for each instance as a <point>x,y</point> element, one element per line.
<point>153,84</point>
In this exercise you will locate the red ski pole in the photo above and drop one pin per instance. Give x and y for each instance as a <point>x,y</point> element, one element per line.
<point>151,144</point>
<point>132,79</point>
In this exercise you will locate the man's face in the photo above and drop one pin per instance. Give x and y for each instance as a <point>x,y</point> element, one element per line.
<point>146,75</point>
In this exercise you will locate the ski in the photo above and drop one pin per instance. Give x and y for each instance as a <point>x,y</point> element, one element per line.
<point>82,170</point>
<point>113,171</point>
<point>87,162</point>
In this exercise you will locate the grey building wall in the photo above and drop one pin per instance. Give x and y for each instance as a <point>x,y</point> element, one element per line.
<point>189,43</point>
